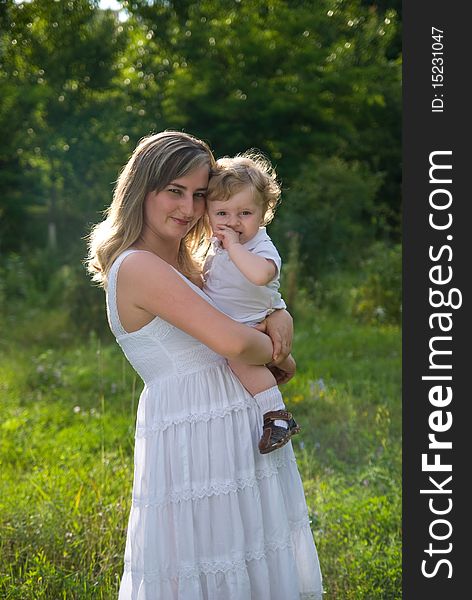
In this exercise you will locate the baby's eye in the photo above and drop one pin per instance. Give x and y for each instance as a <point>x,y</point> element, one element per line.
<point>220,213</point>
<point>246,212</point>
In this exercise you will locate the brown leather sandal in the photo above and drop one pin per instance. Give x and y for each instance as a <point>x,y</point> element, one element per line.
<point>275,436</point>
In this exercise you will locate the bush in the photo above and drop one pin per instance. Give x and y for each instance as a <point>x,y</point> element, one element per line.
<point>16,282</point>
<point>40,282</point>
<point>378,298</point>
<point>83,301</point>
<point>25,277</point>
<point>331,207</point>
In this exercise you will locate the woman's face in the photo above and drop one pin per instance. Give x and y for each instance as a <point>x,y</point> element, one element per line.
<point>172,212</point>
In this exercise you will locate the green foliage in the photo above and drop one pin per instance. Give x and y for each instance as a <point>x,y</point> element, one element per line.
<point>57,118</point>
<point>331,208</point>
<point>290,276</point>
<point>366,533</point>
<point>84,302</point>
<point>80,87</point>
<point>36,281</point>
<point>370,291</point>
<point>378,297</point>
<point>26,279</point>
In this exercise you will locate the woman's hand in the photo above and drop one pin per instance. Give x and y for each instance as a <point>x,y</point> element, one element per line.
<point>279,327</point>
<point>284,371</point>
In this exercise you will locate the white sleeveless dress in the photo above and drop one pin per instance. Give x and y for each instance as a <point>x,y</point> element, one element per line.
<point>211,518</point>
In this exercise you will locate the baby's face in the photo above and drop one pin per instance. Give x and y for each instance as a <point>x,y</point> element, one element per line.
<point>241,212</point>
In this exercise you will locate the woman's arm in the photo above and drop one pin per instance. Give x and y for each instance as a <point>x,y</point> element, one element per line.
<point>147,283</point>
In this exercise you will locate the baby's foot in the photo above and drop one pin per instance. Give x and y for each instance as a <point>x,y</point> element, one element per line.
<point>275,436</point>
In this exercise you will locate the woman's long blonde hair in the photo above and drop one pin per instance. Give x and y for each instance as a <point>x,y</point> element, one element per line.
<point>157,160</point>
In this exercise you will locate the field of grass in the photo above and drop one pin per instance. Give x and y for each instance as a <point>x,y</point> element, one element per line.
<point>66,454</point>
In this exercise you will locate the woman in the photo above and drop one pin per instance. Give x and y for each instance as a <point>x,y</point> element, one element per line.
<point>211,518</point>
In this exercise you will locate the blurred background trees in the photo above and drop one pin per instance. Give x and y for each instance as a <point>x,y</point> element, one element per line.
<point>313,84</point>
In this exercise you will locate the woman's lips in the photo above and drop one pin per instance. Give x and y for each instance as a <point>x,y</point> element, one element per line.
<point>181,221</point>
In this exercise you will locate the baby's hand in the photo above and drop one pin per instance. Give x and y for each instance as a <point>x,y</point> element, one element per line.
<point>226,235</point>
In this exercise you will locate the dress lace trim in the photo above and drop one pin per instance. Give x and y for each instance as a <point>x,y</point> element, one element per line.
<point>211,567</point>
<point>217,413</point>
<point>215,488</point>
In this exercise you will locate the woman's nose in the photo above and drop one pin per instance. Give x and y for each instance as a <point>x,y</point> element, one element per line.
<point>187,205</point>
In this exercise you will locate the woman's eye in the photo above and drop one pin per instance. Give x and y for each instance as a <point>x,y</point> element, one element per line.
<point>200,195</point>
<point>174,191</point>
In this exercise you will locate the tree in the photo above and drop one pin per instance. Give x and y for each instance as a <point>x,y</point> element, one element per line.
<point>331,208</point>
<point>296,79</point>
<point>292,78</point>
<point>57,116</point>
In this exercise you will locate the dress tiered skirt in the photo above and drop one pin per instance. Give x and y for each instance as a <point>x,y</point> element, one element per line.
<point>211,518</point>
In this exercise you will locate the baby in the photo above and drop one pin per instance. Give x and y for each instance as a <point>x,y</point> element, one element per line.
<point>241,273</point>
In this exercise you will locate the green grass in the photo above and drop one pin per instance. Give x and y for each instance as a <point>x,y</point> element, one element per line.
<point>346,396</point>
<point>66,444</point>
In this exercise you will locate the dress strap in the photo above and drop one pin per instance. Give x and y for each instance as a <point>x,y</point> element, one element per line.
<point>112,307</point>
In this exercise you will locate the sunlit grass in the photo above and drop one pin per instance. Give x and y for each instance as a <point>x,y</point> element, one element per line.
<point>346,396</point>
<point>66,441</point>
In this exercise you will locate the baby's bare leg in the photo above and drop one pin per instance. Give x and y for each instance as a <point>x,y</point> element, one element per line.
<point>255,378</point>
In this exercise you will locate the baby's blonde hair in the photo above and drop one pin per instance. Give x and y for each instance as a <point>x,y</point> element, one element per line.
<point>250,169</point>
<point>157,160</point>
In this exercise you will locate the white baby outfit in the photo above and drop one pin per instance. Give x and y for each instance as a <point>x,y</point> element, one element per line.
<point>211,518</point>
<point>232,292</point>
<point>244,301</point>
